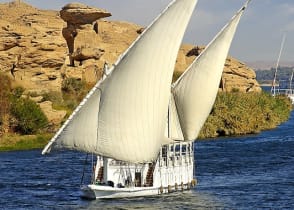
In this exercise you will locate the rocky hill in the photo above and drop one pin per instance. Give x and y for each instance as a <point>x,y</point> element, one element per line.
<point>40,48</point>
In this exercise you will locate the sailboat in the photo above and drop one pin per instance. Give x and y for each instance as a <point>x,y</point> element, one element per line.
<point>290,92</point>
<point>139,124</point>
<point>284,87</point>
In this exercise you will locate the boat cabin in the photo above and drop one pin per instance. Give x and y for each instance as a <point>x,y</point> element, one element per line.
<point>174,166</point>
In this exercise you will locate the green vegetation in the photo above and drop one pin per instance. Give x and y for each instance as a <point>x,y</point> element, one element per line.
<point>23,125</point>
<point>13,142</point>
<point>28,116</point>
<point>18,114</point>
<point>25,116</point>
<point>4,102</point>
<point>239,113</point>
<point>73,91</point>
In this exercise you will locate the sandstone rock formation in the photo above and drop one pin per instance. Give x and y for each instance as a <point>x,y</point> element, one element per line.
<point>112,40</point>
<point>33,51</point>
<point>238,76</point>
<point>81,31</point>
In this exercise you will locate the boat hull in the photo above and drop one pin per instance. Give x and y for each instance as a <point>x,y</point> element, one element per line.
<point>104,192</point>
<point>97,192</point>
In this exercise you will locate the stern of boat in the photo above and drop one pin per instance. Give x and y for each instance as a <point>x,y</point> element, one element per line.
<point>87,193</point>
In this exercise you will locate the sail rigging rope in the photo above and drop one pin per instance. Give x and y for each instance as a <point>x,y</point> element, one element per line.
<point>84,168</point>
<point>93,169</point>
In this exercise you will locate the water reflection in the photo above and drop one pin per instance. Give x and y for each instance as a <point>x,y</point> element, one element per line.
<point>186,200</point>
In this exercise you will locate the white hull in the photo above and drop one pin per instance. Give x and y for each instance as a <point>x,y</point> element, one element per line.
<point>106,192</point>
<point>291,96</point>
<point>98,192</point>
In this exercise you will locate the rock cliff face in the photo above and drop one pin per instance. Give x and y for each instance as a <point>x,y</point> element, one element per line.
<point>32,50</point>
<point>39,48</point>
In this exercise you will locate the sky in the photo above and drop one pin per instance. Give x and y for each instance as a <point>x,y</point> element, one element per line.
<point>258,37</point>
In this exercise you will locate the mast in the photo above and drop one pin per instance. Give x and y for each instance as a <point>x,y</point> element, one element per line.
<point>273,89</point>
<point>169,120</point>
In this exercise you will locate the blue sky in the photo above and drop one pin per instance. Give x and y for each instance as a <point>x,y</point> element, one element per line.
<point>258,37</point>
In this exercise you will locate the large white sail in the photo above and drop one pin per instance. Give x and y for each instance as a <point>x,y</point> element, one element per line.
<point>195,91</point>
<point>133,99</point>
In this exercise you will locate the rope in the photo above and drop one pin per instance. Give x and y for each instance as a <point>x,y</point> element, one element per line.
<point>82,179</point>
<point>93,169</point>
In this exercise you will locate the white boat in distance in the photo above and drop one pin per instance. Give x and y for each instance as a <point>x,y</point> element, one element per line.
<point>290,92</point>
<point>140,126</point>
<point>282,87</point>
<point>285,87</point>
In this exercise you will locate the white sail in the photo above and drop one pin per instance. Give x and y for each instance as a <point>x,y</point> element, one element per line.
<point>173,128</point>
<point>134,97</point>
<point>195,91</point>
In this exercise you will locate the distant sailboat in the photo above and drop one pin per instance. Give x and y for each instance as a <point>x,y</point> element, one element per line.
<point>142,129</point>
<point>285,87</point>
<point>282,87</point>
<point>274,83</point>
<point>291,91</point>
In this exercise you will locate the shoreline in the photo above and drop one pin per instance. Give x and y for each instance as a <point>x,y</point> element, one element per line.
<point>15,142</point>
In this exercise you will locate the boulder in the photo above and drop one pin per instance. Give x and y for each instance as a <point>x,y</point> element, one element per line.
<point>80,14</point>
<point>81,31</point>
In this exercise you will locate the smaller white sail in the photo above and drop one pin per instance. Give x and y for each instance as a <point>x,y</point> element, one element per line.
<point>195,91</point>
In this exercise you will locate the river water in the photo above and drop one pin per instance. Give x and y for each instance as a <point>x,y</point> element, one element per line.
<point>251,172</point>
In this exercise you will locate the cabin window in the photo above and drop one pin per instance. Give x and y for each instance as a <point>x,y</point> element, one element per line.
<point>177,150</point>
<point>164,152</point>
<point>184,149</point>
<point>171,151</point>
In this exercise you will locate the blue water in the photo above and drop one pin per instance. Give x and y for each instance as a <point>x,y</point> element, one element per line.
<point>252,172</point>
